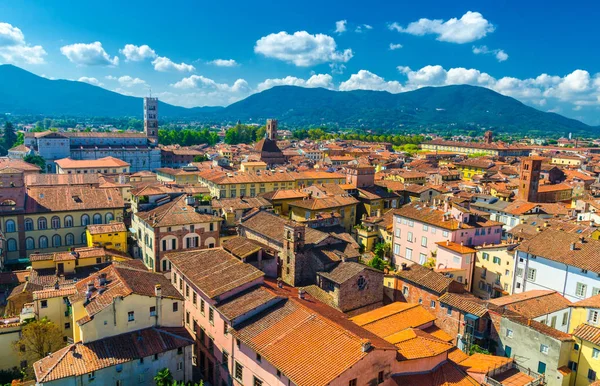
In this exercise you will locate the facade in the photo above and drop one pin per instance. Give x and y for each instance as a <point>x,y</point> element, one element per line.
<point>529,178</point>
<point>106,165</point>
<point>493,149</point>
<point>559,261</point>
<point>474,167</point>
<point>111,236</point>
<point>494,270</point>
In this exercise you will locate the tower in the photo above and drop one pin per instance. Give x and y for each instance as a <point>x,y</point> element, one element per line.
<point>488,137</point>
<point>294,236</point>
<point>360,176</point>
<point>529,178</point>
<point>272,129</point>
<point>151,118</point>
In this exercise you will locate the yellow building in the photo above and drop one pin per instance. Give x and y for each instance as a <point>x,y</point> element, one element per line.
<point>54,305</point>
<point>177,176</point>
<point>111,236</point>
<point>472,167</point>
<point>373,230</point>
<point>310,208</point>
<point>566,160</point>
<point>10,332</point>
<point>586,355</point>
<point>253,167</point>
<point>66,262</point>
<point>230,185</point>
<point>407,177</point>
<point>494,270</point>
<point>132,303</point>
<point>280,199</point>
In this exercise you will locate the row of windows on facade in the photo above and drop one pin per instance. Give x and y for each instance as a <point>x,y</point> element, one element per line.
<point>11,244</point>
<point>92,171</point>
<point>55,222</point>
<point>141,377</point>
<point>580,289</point>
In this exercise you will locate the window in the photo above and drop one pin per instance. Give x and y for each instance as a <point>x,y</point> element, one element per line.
<point>29,243</point>
<point>565,318</point>
<point>239,371</point>
<point>543,349</point>
<point>56,241</point>
<point>353,382</point>
<point>67,326</point>
<point>69,239</point>
<point>486,256</point>
<point>10,226</point>
<point>423,241</point>
<point>432,304</point>
<point>581,290</point>
<point>258,358</point>
<point>595,353</point>
<point>179,366</point>
<point>445,233</point>
<point>43,242</point>
<point>509,333</point>
<point>591,375</point>
<point>109,217</point>
<point>520,272</point>
<point>55,221</point>
<point>408,254</point>
<point>211,315</point>
<point>425,227</point>
<point>91,376</point>
<point>573,365</point>
<point>68,221</point>
<point>28,224</point>
<point>195,299</point>
<point>405,290</point>
<point>11,245</point>
<point>44,304</point>
<point>202,306</point>
<point>449,310</point>
<point>225,359</point>
<point>531,274</point>
<point>593,317</point>
<point>380,377</point>
<point>422,258</point>
<point>175,306</point>
<point>97,218</point>
<point>42,223</point>
<point>397,232</point>
<point>257,382</point>
<point>409,237</point>
<point>595,291</point>
<point>130,316</point>
<point>152,311</point>
<point>497,260</point>
<point>85,220</point>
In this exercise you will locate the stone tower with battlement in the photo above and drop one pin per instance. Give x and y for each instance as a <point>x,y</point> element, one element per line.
<point>272,129</point>
<point>151,118</point>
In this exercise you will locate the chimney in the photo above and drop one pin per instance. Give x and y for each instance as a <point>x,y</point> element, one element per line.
<point>572,247</point>
<point>366,345</point>
<point>582,239</point>
<point>404,266</point>
<point>301,293</point>
<point>538,228</point>
<point>157,291</point>
<point>378,212</point>
<point>279,283</point>
<point>190,200</point>
<point>546,224</point>
<point>102,279</point>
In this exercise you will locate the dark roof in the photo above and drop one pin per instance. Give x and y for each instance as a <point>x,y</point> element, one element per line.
<point>425,277</point>
<point>246,301</point>
<point>346,271</point>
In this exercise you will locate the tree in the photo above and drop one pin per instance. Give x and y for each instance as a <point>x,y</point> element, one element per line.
<point>10,137</point>
<point>163,377</point>
<point>377,263</point>
<point>38,339</point>
<point>200,158</point>
<point>36,160</point>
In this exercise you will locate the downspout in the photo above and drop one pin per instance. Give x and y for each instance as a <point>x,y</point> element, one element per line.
<point>566,276</point>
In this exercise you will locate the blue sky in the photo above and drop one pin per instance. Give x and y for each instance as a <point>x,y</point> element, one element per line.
<point>214,53</point>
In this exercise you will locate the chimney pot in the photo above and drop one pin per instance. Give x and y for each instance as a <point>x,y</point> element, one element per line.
<point>157,290</point>
<point>572,247</point>
<point>301,293</point>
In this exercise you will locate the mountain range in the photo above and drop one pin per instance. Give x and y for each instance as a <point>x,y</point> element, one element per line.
<point>430,107</point>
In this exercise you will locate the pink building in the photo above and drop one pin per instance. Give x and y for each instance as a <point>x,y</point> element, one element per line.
<point>419,230</point>
<point>249,332</point>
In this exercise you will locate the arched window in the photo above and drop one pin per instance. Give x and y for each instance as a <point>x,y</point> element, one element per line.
<point>43,243</point>
<point>83,238</point>
<point>85,220</point>
<point>109,217</point>
<point>8,202</point>
<point>11,245</point>
<point>10,226</point>
<point>69,239</point>
<point>28,224</point>
<point>42,223</point>
<point>55,222</point>
<point>29,243</point>
<point>68,221</point>
<point>56,241</point>
<point>97,218</point>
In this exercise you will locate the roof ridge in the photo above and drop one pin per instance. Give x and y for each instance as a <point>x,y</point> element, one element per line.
<point>67,349</point>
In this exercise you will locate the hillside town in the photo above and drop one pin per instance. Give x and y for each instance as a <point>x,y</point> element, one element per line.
<point>298,262</point>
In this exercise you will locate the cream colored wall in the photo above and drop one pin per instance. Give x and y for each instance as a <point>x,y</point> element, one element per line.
<point>55,312</point>
<point>113,320</point>
<point>8,358</point>
<point>507,262</point>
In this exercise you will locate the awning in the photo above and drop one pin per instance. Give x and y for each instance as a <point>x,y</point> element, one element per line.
<point>471,316</point>
<point>22,260</point>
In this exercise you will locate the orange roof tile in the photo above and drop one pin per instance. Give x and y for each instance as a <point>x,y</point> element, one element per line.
<point>393,318</point>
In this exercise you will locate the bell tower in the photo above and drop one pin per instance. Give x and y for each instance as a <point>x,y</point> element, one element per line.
<point>294,236</point>
<point>272,129</point>
<point>151,118</point>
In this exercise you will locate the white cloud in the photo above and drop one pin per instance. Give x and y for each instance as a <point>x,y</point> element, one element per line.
<point>470,27</point>
<point>366,80</point>
<point>363,28</point>
<point>301,48</point>
<point>14,48</point>
<point>201,91</point>
<point>91,54</point>
<point>394,46</point>
<point>317,80</point>
<point>224,62</point>
<point>500,55</point>
<point>128,81</point>
<point>337,68</point>
<point>135,53</point>
<point>201,82</point>
<point>164,64</point>
<point>92,81</point>
<point>110,77</point>
<point>340,26</point>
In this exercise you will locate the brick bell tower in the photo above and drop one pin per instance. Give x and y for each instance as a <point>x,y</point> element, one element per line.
<point>151,118</point>
<point>529,178</point>
<point>294,236</point>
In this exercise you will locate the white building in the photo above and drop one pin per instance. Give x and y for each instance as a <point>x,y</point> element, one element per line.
<point>567,263</point>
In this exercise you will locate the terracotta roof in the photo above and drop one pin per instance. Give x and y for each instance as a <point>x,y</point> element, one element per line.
<point>438,333</point>
<point>464,302</point>
<point>275,334</point>
<point>95,229</point>
<point>213,271</point>
<point>456,355</point>
<point>593,301</point>
<point>106,162</point>
<point>532,304</point>
<point>484,364</point>
<point>78,253</point>
<point>284,194</point>
<point>53,293</point>
<point>538,326</point>
<point>419,212</point>
<point>447,374</point>
<point>394,318</point>
<point>318,203</point>
<point>425,277</point>
<point>345,271</point>
<point>271,225</point>
<point>555,245</point>
<point>79,359</point>
<point>71,198</point>
<point>61,179</point>
<point>241,203</point>
<point>588,333</point>
<point>246,301</point>
<point>18,164</point>
<point>413,343</point>
<point>456,247</point>
<point>176,212</point>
